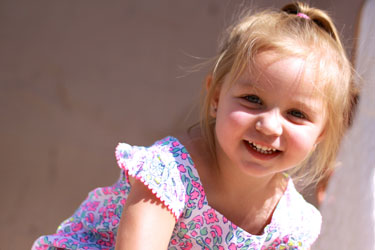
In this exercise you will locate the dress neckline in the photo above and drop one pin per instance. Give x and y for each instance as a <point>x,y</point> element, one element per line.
<point>278,209</point>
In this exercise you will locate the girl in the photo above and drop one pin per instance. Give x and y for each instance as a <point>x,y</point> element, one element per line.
<point>278,102</point>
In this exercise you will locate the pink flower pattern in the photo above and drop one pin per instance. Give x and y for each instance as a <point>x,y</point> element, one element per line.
<point>210,216</point>
<point>166,168</point>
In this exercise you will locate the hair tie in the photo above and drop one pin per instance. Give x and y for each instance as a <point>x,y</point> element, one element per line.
<point>303,15</point>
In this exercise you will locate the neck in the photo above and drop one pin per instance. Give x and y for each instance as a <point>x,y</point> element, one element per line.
<point>239,185</point>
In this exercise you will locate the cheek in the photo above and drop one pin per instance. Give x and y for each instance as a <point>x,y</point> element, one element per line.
<point>231,127</point>
<point>303,142</point>
<point>232,121</point>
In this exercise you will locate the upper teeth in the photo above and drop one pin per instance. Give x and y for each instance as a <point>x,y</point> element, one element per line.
<point>262,149</point>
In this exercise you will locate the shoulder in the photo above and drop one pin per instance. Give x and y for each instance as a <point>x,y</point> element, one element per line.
<point>158,168</point>
<point>298,217</point>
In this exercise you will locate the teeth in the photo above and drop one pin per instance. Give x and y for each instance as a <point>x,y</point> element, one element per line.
<point>262,149</point>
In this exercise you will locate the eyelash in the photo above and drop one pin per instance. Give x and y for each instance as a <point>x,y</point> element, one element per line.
<point>256,100</point>
<point>253,99</point>
<point>298,114</point>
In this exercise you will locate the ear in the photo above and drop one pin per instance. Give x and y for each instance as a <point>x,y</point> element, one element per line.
<point>214,96</point>
<point>208,82</point>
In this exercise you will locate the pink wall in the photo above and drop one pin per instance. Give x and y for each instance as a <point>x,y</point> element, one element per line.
<point>79,76</point>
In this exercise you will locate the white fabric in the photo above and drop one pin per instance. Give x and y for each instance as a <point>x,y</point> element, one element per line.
<point>348,210</point>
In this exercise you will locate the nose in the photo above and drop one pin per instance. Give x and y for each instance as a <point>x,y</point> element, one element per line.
<point>269,123</point>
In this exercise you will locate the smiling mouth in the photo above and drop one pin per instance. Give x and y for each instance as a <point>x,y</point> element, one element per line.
<point>262,149</point>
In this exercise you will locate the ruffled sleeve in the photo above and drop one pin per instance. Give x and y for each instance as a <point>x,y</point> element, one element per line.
<point>156,167</point>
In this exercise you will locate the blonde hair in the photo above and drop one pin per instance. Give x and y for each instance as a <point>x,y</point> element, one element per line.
<point>311,36</point>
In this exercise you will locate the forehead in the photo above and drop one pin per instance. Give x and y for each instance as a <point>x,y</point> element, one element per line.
<point>275,72</point>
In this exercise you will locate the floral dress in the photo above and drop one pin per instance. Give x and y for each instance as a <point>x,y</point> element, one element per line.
<point>167,169</point>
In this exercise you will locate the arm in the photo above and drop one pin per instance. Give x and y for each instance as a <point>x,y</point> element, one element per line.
<point>145,222</point>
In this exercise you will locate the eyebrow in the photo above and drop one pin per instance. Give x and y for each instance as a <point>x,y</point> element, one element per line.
<point>246,83</point>
<point>310,108</point>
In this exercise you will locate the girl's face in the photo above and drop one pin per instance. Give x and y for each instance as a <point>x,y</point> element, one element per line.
<point>270,120</point>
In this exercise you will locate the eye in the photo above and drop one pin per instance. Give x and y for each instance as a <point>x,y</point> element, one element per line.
<point>297,114</point>
<point>253,99</point>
